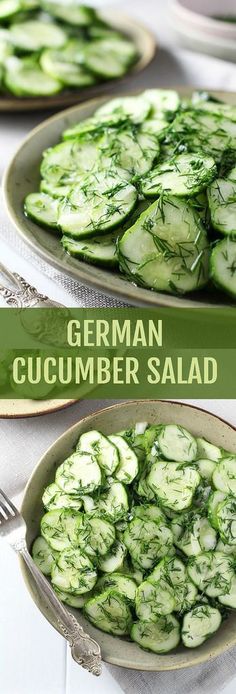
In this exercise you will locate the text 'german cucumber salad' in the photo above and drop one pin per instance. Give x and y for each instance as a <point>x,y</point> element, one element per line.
<point>47,46</point>
<point>147,185</point>
<point>140,532</point>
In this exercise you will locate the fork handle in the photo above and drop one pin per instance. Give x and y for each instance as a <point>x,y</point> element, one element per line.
<point>85,651</point>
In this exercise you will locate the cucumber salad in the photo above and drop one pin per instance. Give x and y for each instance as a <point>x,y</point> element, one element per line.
<point>147,187</point>
<point>47,46</point>
<point>139,532</point>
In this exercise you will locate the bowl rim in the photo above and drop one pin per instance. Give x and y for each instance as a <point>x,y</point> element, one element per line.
<point>115,660</point>
<point>204,21</point>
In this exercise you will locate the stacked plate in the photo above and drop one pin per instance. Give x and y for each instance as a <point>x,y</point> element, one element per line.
<point>207,26</point>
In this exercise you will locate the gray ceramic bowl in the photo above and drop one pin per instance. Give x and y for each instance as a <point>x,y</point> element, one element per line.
<point>199,422</point>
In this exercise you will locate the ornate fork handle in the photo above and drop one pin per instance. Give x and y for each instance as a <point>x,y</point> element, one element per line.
<point>85,651</point>
<point>21,294</point>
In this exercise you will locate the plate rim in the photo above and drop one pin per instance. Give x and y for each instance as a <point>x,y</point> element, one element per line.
<point>50,410</point>
<point>61,100</point>
<point>114,660</point>
<point>148,297</point>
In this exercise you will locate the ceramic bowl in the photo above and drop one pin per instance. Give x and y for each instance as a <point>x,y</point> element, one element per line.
<point>116,650</point>
<point>200,15</point>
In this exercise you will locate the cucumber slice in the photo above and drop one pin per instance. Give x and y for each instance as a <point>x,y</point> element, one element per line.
<point>172,572</point>
<point>53,498</point>
<point>55,64</point>
<point>219,109</point>
<point>193,534</point>
<point>95,125</point>
<point>226,549</point>
<point>210,133</point>
<point>173,483</point>
<point>222,203</point>
<point>113,560</point>
<point>206,468</point>
<point>79,474</point>
<point>120,583</point>
<point>70,11</point>
<point>213,502</point>
<point>105,452</point>
<point>86,212</point>
<point>8,8</point>
<point>148,511</point>
<point>132,149</point>
<point>223,266</point>
<point>66,162</point>
<point>113,504</point>
<point>6,49</point>
<point>109,612</point>
<point>43,555</point>
<point>224,476</point>
<point>33,35</point>
<point>42,209</point>
<point>96,536</point>
<point>162,101</point>
<point>156,126</point>
<point>186,174</point>
<point>60,528</point>
<point>24,77</point>
<point>135,108</point>
<point>212,573</point>
<point>208,450</point>
<point>99,251</point>
<point>176,443</point>
<point>199,625</point>
<point>147,541</point>
<point>226,519</point>
<point>74,572</point>
<point>77,601</point>
<point>160,637</point>
<point>167,248</point>
<point>54,191</point>
<point>153,601</point>
<point>109,57</point>
<point>229,599</point>
<point>127,468</point>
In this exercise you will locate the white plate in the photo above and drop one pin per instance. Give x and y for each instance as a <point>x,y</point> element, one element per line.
<point>12,409</point>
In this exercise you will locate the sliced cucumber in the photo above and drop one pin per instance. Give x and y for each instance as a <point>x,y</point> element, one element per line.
<point>120,583</point>
<point>74,572</point>
<point>185,175</point>
<point>6,49</point>
<point>54,191</point>
<point>85,213</point>
<point>160,637</point>
<point>173,483</point>
<point>226,549</point>
<point>226,519</point>
<point>153,601</point>
<point>193,534</point>
<point>176,443</point>
<point>127,468</point>
<point>24,77</point>
<point>55,63</point>
<point>77,601</point>
<point>162,101</point>
<point>172,573</point>
<point>199,625</point>
<point>64,163</point>
<point>42,209</point>
<point>167,248</point>
<point>99,251</point>
<point>70,11</point>
<point>33,35</point>
<point>96,536</point>
<point>147,541</point>
<point>102,448</point>
<point>148,511</point>
<point>109,57</point>
<point>132,149</point>
<point>210,133</point>
<point>229,599</point>
<point>79,474</point>
<point>205,449</point>
<point>53,498</point>
<point>113,560</point>
<point>60,528</point>
<point>109,612</point>
<point>156,126</point>
<point>223,266</point>
<point>222,204</point>
<point>113,504</point>
<point>214,500</point>
<point>224,476</point>
<point>212,572</point>
<point>94,125</point>
<point>206,468</point>
<point>8,8</point>
<point>135,108</point>
<point>43,555</point>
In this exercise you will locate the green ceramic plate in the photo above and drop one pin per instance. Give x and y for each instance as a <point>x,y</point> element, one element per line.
<point>22,178</point>
<point>116,418</point>
<point>146,46</point>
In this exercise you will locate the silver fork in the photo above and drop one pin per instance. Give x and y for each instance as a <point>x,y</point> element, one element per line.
<point>84,649</point>
<point>21,294</point>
